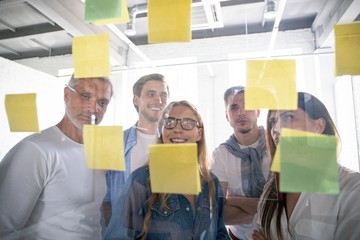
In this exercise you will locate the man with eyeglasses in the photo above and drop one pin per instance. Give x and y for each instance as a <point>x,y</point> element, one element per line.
<point>241,163</point>
<point>150,96</point>
<point>46,190</point>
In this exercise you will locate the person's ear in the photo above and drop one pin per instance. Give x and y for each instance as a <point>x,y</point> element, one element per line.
<point>227,116</point>
<point>200,133</point>
<point>136,100</point>
<point>320,125</point>
<point>66,94</point>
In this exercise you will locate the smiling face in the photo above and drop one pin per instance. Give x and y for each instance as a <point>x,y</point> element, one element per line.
<point>152,100</point>
<point>241,120</point>
<point>178,134</point>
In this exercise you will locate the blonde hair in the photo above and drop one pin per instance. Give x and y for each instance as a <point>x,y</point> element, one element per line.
<point>203,160</point>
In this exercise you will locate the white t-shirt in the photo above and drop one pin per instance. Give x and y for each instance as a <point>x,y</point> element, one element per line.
<point>47,192</point>
<point>140,152</point>
<point>227,168</point>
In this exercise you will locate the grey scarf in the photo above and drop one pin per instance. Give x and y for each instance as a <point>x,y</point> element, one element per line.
<point>251,173</point>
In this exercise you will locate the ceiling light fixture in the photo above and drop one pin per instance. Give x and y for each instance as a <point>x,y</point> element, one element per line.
<point>270,9</point>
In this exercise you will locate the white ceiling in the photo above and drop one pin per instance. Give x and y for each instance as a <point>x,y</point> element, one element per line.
<point>43,28</point>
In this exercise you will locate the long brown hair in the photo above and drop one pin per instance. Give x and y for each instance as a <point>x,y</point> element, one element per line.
<point>203,160</point>
<point>274,202</point>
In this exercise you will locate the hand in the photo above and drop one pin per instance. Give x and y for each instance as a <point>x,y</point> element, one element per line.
<point>258,235</point>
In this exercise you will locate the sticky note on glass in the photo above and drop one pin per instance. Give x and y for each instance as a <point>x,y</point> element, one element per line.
<point>91,56</point>
<point>104,147</point>
<point>308,164</point>
<point>174,168</point>
<point>285,132</point>
<point>21,112</point>
<point>169,21</point>
<point>347,49</point>
<point>102,9</point>
<point>271,84</point>
<point>122,18</point>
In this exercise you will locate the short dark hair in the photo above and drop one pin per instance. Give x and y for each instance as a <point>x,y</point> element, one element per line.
<point>232,91</point>
<point>139,84</point>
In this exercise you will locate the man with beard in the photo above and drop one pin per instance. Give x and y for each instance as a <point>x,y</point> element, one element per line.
<point>151,93</point>
<point>241,164</point>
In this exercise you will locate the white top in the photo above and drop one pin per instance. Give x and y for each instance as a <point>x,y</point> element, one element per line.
<point>140,152</point>
<point>323,216</point>
<point>46,191</point>
<point>227,168</point>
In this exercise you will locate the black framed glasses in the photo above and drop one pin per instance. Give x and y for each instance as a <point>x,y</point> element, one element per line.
<point>186,123</point>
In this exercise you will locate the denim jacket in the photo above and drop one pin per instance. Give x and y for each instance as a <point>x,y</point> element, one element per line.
<point>115,180</point>
<point>177,222</point>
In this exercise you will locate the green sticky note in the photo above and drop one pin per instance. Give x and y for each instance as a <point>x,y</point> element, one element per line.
<point>21,112</point>
<point>104,147</point>
<point>271,84</point>
<point>174,168</point>
<point>347,49</point>
<point>123,18</point>
<point>102,9</point>
<point>308,164</point>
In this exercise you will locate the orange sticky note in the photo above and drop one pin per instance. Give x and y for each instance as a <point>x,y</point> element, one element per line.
<point>347,49</point>
<point>104,147</point>
<point>169,21</point>
<point>174,168</point>
<point>21,112</point>
<point>270,84</point>
<point>122,18</point>
<point>91,56</point>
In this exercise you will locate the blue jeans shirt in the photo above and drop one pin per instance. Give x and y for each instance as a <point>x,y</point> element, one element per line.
<point>177,222</point>
<point>115,180</point>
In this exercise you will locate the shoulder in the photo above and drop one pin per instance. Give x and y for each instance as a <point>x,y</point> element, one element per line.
<point>140,175</point>
<point>349,180</point>
<point>220,150</point>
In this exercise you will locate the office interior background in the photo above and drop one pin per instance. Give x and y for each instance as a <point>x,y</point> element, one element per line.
<point>35,57</point>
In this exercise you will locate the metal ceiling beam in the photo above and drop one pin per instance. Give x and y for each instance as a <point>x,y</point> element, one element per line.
<point>334,12</point>
<point>38,53</point>
<point>29,31</point>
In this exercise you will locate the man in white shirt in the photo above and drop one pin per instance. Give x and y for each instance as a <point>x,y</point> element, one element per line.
<point>46,190</point>
<point>151,94</point>
<point>241,164</point>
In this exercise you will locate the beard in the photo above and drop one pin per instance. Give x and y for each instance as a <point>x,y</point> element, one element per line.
<point>149,117</point>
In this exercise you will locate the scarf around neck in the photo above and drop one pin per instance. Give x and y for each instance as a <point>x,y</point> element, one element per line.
<point>252,177</point>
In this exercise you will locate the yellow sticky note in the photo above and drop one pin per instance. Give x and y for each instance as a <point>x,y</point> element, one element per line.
<point>271,84</point>
<point>104,147</point>
<point>169,21</point>
<point>174,168</point>
<point>21,112</point>
<point>286,132</point>
<point>347,49</point>
<point>124,16</point>
<point>91,56</point>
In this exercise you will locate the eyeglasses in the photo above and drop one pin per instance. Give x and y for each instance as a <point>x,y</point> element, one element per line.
<point>86,96</point>
<point>186,123</point>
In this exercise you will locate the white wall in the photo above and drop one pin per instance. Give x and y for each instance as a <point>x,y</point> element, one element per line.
<point>16,78</point>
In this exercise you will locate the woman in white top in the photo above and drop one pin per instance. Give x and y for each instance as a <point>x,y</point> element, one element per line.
<point>307,215</point>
